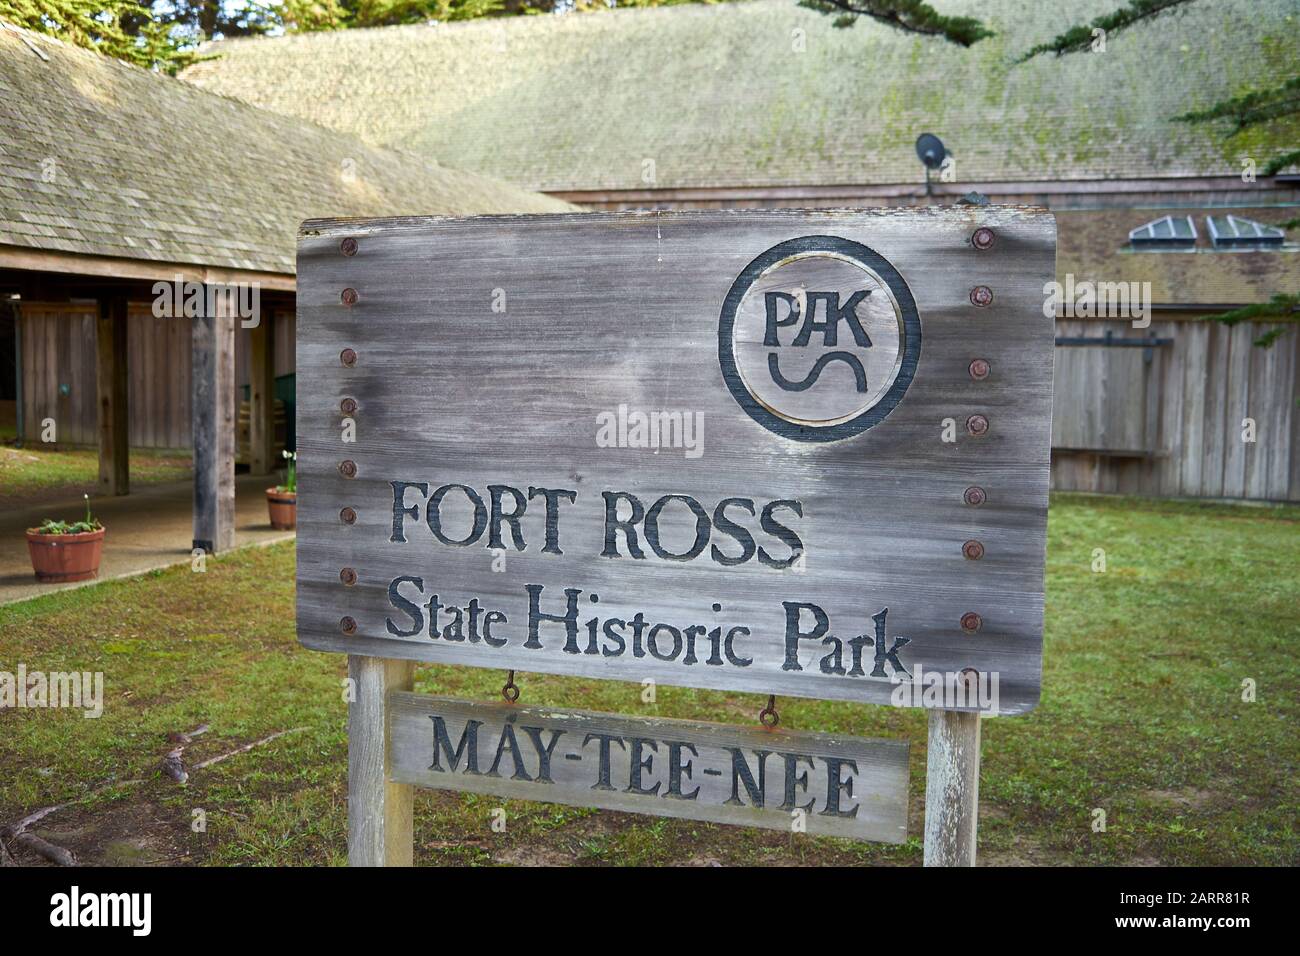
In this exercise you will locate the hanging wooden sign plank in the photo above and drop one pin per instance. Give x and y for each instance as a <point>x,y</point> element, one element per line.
<point>802,782</point>
<point>792,452</point>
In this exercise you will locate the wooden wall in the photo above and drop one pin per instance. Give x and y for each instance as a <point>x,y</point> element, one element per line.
<point>1184,412</point>
<point>58,348</point>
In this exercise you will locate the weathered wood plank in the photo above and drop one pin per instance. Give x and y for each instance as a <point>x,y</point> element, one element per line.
<point>261,391</point>
<point>750,776</point>
<point>112,389</point>
<point>603,313</point>
<point>213,389</point>
<point>1195,343</point>
<point>952,788</point>
<point>1171,366</point>
<point>380,821</point>
<point>1237,407</point>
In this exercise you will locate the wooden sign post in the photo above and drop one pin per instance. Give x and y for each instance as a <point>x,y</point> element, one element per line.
<point>785,452</point>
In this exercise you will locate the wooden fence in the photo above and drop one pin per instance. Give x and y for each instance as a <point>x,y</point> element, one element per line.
<point>1171,421</point>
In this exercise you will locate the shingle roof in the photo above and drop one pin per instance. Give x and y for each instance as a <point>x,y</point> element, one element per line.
<point>102,158</point>
<point>718,96</point>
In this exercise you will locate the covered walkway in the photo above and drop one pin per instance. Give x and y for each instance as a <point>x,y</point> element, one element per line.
<point>150,528</point>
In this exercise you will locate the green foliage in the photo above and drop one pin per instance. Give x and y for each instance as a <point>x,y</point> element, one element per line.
<point>311,15</point>
<point>87,524</point>
<point>1275,166</point>
<point>118,28</point>
<point>1253,107</point>
<point>50,526</point>
<point>1079,38</point>
<point>90,523</point>
<point>913,16</point>
<point>1283,307</point>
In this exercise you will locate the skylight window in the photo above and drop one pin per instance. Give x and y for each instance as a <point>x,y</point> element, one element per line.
<point>1234,231</point>
<point>1165,233</point>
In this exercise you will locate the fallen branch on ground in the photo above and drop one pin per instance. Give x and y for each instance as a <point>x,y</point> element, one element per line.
<point>17,832</point>
<point>52,852</point>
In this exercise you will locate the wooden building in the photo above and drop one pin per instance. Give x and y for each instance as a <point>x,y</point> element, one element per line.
<point>766,104</point>
<point>116,185</point>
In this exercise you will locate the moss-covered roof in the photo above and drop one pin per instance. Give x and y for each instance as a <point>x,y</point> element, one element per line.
<point>720,96</point>
<point>102,158</point>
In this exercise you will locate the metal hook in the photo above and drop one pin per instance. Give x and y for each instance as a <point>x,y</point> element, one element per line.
<point>510,692</point>
<point>768,716</point>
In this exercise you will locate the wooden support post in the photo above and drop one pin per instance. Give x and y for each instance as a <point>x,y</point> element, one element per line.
<point>952,788</point>
<point>111,395</point>
<point>380,831</point>
<point>213,353</point>
<point>261,396</point>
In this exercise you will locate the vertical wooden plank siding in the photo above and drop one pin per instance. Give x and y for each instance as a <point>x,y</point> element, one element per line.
<point>111,383</point>
<point>261,395</point>
<point>1198,390</point>
<point>1237,403</point>
<point>1193,342</point>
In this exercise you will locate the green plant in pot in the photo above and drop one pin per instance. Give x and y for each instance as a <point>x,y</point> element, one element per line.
<point>282,500</point>
<point>67,550</point>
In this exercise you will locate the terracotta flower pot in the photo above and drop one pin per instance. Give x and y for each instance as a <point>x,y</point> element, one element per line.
<point>66,557</point>
<point>283,506</point>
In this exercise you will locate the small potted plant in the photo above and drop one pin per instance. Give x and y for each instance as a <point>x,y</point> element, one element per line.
<point>67,551</point>
<point>282,500</point>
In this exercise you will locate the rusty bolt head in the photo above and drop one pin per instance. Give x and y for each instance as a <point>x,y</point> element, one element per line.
<point>349,296</point>
<point>348,246</point>
<point>348,625</point>
<point>348,576</point>
<point>982,238</point>
<point>348,516</point>
<point>973,550</point>
<point>348,357</point>
<point>971,622</point>
<point>979,369</point>
<point>981,296</point>
<point>974,495</point>
<point>348,406</point>
<point>977,425</point>
<point>348,468</point>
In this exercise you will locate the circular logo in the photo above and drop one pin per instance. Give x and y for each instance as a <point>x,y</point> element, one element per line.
<point>819,338</point>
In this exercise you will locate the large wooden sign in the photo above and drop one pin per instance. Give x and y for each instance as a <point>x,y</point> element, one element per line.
<point>800,782</point>
<point>798,453</point>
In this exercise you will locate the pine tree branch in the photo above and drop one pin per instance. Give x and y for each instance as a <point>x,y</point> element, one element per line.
<point>1279,163</point>
<point>911,16</point>
<point>1284,308</point>
<point>1079,38</point>
<point>1249,109</point>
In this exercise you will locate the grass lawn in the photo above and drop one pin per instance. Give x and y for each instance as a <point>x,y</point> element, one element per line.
<point>1142,716</point>
<point>34,472</point>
